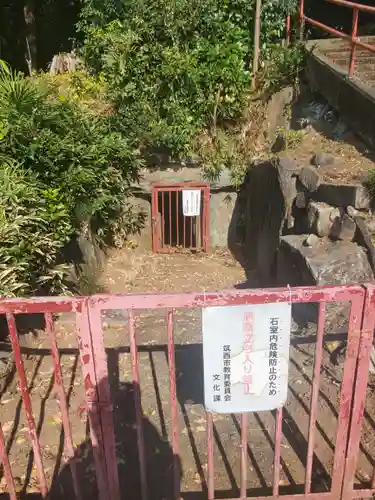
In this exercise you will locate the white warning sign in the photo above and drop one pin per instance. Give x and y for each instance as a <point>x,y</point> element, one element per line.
<point>246,357</point>
<point>191,202</point>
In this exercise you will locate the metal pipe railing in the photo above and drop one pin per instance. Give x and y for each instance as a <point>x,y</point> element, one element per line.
<point>352,38</point>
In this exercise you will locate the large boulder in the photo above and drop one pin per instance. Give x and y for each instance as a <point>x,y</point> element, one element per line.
<point>327,263</point>
<point>270,192</point>
<point>343,195</point>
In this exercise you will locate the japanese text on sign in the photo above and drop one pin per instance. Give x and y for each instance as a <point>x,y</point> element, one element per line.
<point>272,358</point>
<point>248,347</point>
<point>246,356</point>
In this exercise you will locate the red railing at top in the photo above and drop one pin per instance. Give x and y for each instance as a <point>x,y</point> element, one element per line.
<point>353,39</point>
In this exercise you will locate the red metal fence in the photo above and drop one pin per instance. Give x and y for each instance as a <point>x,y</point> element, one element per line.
<point>91,343</point>
<point>172,230</point>
<point>353,38</point>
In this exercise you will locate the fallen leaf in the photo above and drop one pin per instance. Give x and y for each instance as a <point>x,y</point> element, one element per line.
<point>6,401</point>
<point>7,426</point>
<point>55,419</point>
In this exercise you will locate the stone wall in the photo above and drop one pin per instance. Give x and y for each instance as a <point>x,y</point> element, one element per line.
<point>222,200</point>
<point>300,231</point>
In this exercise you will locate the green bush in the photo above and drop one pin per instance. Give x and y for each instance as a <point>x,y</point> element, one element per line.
<point>71,173</point>
<point>91,165</point>
<point>175,67</point>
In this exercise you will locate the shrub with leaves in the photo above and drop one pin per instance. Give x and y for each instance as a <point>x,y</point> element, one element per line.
<point>78,154</point>
<point>175,67</point>
<point>63,172</point>
<point>34,227</point>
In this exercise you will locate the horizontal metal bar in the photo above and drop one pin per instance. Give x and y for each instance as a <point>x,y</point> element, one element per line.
<point>180,249</point>
<point>168,186</point>
<point>40,305</point>
<point>174,189</point>
<point>354,41</point>
<point>326,28</point>
<point>366,46</point>
<point>231,297</point>
<point>311,496</point>
<point>352,5</point>
<point>362,493</point>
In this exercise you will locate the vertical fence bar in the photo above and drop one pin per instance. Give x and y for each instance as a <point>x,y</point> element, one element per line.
<point>104,406</point>
<point>352,61</point>
<point>13,335</point>
<point>315,396</point>
<point>206,218</point>
<point>191,232</point>
<point>177,220</point>
<point>301,19</point>
<point>138,407</point>
<point>287,30</point>
<point>6,466</point>
<point>91,396</point>
<point>210,457</point>
<point>276,462</point>
<point>360,393</point>
<point>199,232</point>
<point>63,403</point>
<point>155,221</point>
<point>244,420</point>
<point>347,392</point>
<point>184,231</point>
<point>170,218</point>
<point>162,222</point>
<point>173,396</point>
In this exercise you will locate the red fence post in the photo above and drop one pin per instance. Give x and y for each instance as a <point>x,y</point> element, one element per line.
<point>6,467</point>
<point>347,391</point>
<point>301,19</point>
<point>104,403</point>
<point>23,385</point>
<point>360,392</point>
<point>287,30</point>
<point>138,406</point>
<point>354,37</point>
<point>91,395</point>
<point>173,400</point>
<point>50,328</point>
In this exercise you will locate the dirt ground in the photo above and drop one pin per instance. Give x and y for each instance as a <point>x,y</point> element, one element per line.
<point>138,271</point>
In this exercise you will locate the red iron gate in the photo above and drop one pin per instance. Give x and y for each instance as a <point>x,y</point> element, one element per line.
<point>90,333</point>
<point>171,229</point>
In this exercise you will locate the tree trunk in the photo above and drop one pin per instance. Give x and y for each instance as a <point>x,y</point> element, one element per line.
<point>256,53</point>
<point>31,49</point>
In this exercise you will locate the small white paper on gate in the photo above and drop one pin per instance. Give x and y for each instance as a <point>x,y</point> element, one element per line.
<point>191,202</point>
<point>246,357</point>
